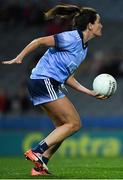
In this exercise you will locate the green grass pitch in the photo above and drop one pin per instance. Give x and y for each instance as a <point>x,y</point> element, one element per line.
<point>62,168</point>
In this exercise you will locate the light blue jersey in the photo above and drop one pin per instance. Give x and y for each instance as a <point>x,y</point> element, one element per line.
<point>61,61</point>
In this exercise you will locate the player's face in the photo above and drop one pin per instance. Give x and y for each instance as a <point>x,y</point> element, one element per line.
<point>97,27</point>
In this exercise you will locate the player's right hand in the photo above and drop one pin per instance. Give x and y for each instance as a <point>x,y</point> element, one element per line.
<point>17,60</point>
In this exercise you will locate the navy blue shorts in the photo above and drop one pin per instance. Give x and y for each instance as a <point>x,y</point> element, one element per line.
<point>44,90</point>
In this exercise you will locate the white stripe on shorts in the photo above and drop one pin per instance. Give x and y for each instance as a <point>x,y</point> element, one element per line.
<point>50,89</point>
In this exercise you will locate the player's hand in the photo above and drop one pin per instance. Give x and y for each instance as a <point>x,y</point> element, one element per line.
<point>17,60</point>
<point>102,97</point>
<point>98,96</point>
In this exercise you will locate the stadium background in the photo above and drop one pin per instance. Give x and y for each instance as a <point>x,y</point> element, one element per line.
<point>21,126</point>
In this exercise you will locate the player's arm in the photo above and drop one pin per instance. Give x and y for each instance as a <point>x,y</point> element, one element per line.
<point>44,41</point>
<point>72,82</point>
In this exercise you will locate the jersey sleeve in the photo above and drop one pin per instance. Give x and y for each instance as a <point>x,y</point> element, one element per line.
<point>64,40</point>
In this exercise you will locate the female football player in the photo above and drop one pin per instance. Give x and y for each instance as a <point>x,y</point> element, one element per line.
<point>66,52</point>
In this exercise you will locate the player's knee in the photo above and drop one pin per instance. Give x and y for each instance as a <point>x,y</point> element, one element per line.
<point>75,126</point>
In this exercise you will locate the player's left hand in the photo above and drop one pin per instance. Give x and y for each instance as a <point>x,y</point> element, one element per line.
<point>99,96</point>
<point>102,97</point>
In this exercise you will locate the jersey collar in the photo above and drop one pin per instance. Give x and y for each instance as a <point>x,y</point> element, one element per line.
<point>84,45</point>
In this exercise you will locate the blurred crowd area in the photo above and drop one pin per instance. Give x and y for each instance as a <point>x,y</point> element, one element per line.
<point>22,21</point>
<point>14,12</point>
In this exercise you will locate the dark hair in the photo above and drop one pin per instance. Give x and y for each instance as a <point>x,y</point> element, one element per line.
<point>79,17</point>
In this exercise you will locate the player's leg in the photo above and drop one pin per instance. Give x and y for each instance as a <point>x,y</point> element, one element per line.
<point>63,111</point>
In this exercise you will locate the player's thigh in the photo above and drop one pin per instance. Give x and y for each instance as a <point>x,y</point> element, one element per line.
<point>56,123</point>
<point>62,111</point>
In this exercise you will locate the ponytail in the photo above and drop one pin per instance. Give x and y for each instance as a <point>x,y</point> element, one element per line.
<point>62,11</point>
